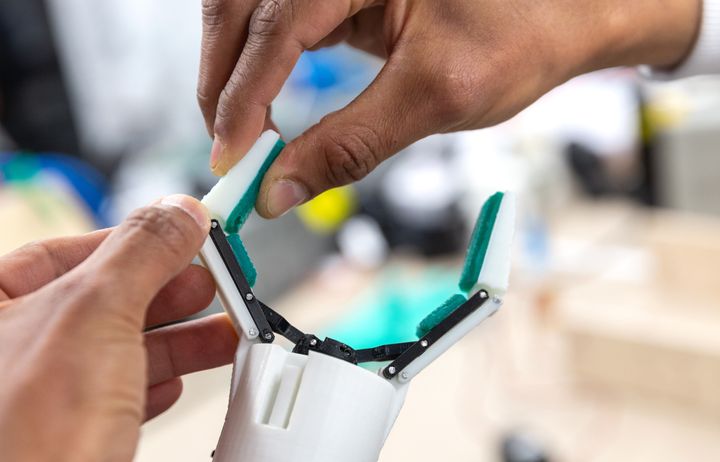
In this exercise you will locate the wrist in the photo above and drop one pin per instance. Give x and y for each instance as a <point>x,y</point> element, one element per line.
<point>641,32</point>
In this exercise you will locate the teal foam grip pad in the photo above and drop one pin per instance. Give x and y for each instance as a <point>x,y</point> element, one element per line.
<point>243,258</point>
<point>479,242</point>
<point>244,207</point>
<point>439,314</point>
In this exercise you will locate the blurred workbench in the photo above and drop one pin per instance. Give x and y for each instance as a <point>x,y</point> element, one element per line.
<point>567,360</point>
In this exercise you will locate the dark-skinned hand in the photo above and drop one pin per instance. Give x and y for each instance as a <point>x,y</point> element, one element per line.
<point>450,65</point>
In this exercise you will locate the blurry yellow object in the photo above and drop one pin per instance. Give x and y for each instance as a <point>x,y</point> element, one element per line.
<point>663,113</point>
<point>329,210</point>
<point>31,212</point>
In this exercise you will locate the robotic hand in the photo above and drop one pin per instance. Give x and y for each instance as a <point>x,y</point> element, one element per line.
<point>314,403</point>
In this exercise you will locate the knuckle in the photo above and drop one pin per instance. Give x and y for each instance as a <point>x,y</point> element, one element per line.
<point>39,248</point>
<point>352,156</point>
<point>227,109</point>
<point>214,12</point>
<point>93,297</point>
<point>159,224</point>
<point>453,95</point>
<point>225,112</point>
<point>80,296</point>
<point>44,251</point>
<point>204,101</point>
<point>268,18</point>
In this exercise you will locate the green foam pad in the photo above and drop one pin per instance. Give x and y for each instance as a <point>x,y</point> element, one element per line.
<point>243,258</point>
<point>440,313</point>
<point>479,242</point>
<point>244,207</point>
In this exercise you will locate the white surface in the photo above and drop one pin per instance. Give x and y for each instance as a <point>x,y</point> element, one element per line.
<point>225,195</point>
<point>307,408</point>
<point>132,69</point>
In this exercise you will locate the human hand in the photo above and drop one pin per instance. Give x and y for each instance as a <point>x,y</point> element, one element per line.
<point>78,374</point>
<point>451,65</point>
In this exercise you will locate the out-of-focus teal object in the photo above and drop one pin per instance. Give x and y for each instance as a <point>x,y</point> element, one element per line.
<point>391,312</point>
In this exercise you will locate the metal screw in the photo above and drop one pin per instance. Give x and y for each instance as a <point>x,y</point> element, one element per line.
<point>252,332</point>
<point>268,336</point>
<point>214,224</point>
<point>313,342</point>
<point>392,370</point>
<point>424,343</point>
<point>404,375</point>
<point>483,294</point>
<point>497,300</point>
<point>249,297</point>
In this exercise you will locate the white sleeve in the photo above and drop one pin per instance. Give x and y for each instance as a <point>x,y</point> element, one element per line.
<point>705,57</point>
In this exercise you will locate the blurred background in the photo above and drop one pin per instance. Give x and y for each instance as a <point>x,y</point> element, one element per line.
<point>608,347</point>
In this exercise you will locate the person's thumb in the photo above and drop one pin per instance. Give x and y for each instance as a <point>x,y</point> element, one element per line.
<point>347,145</point>
<point>152,246</point>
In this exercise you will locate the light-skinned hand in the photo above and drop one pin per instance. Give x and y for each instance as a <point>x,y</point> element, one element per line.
<point>81,366</point>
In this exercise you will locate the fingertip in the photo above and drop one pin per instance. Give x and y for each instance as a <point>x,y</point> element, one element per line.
<point>162,396</point>
<point>282,196</point>
<point>191,206</point>
<point>188,293</point>
<point>217,171</point>
<point>216,153</point>
<point>235,132</point>
<point>203,284</point>
<point>261,201</point>
<point>223,158</point>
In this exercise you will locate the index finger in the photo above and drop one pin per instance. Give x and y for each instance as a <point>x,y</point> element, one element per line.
<point>278,32</point>
<point>36,264</point>
<point>224,32</point>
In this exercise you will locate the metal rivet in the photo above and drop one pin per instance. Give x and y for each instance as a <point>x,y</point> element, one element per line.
<point>404,375</point>
<point>214,224</point>
<point>392,370</point>
<point>497,300</point>
<point>268,336</point>
<point>313,342</point>
<point>252,332</point>
<point>483,294</point>
<point>424,343</point>
<point>249,297</point>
